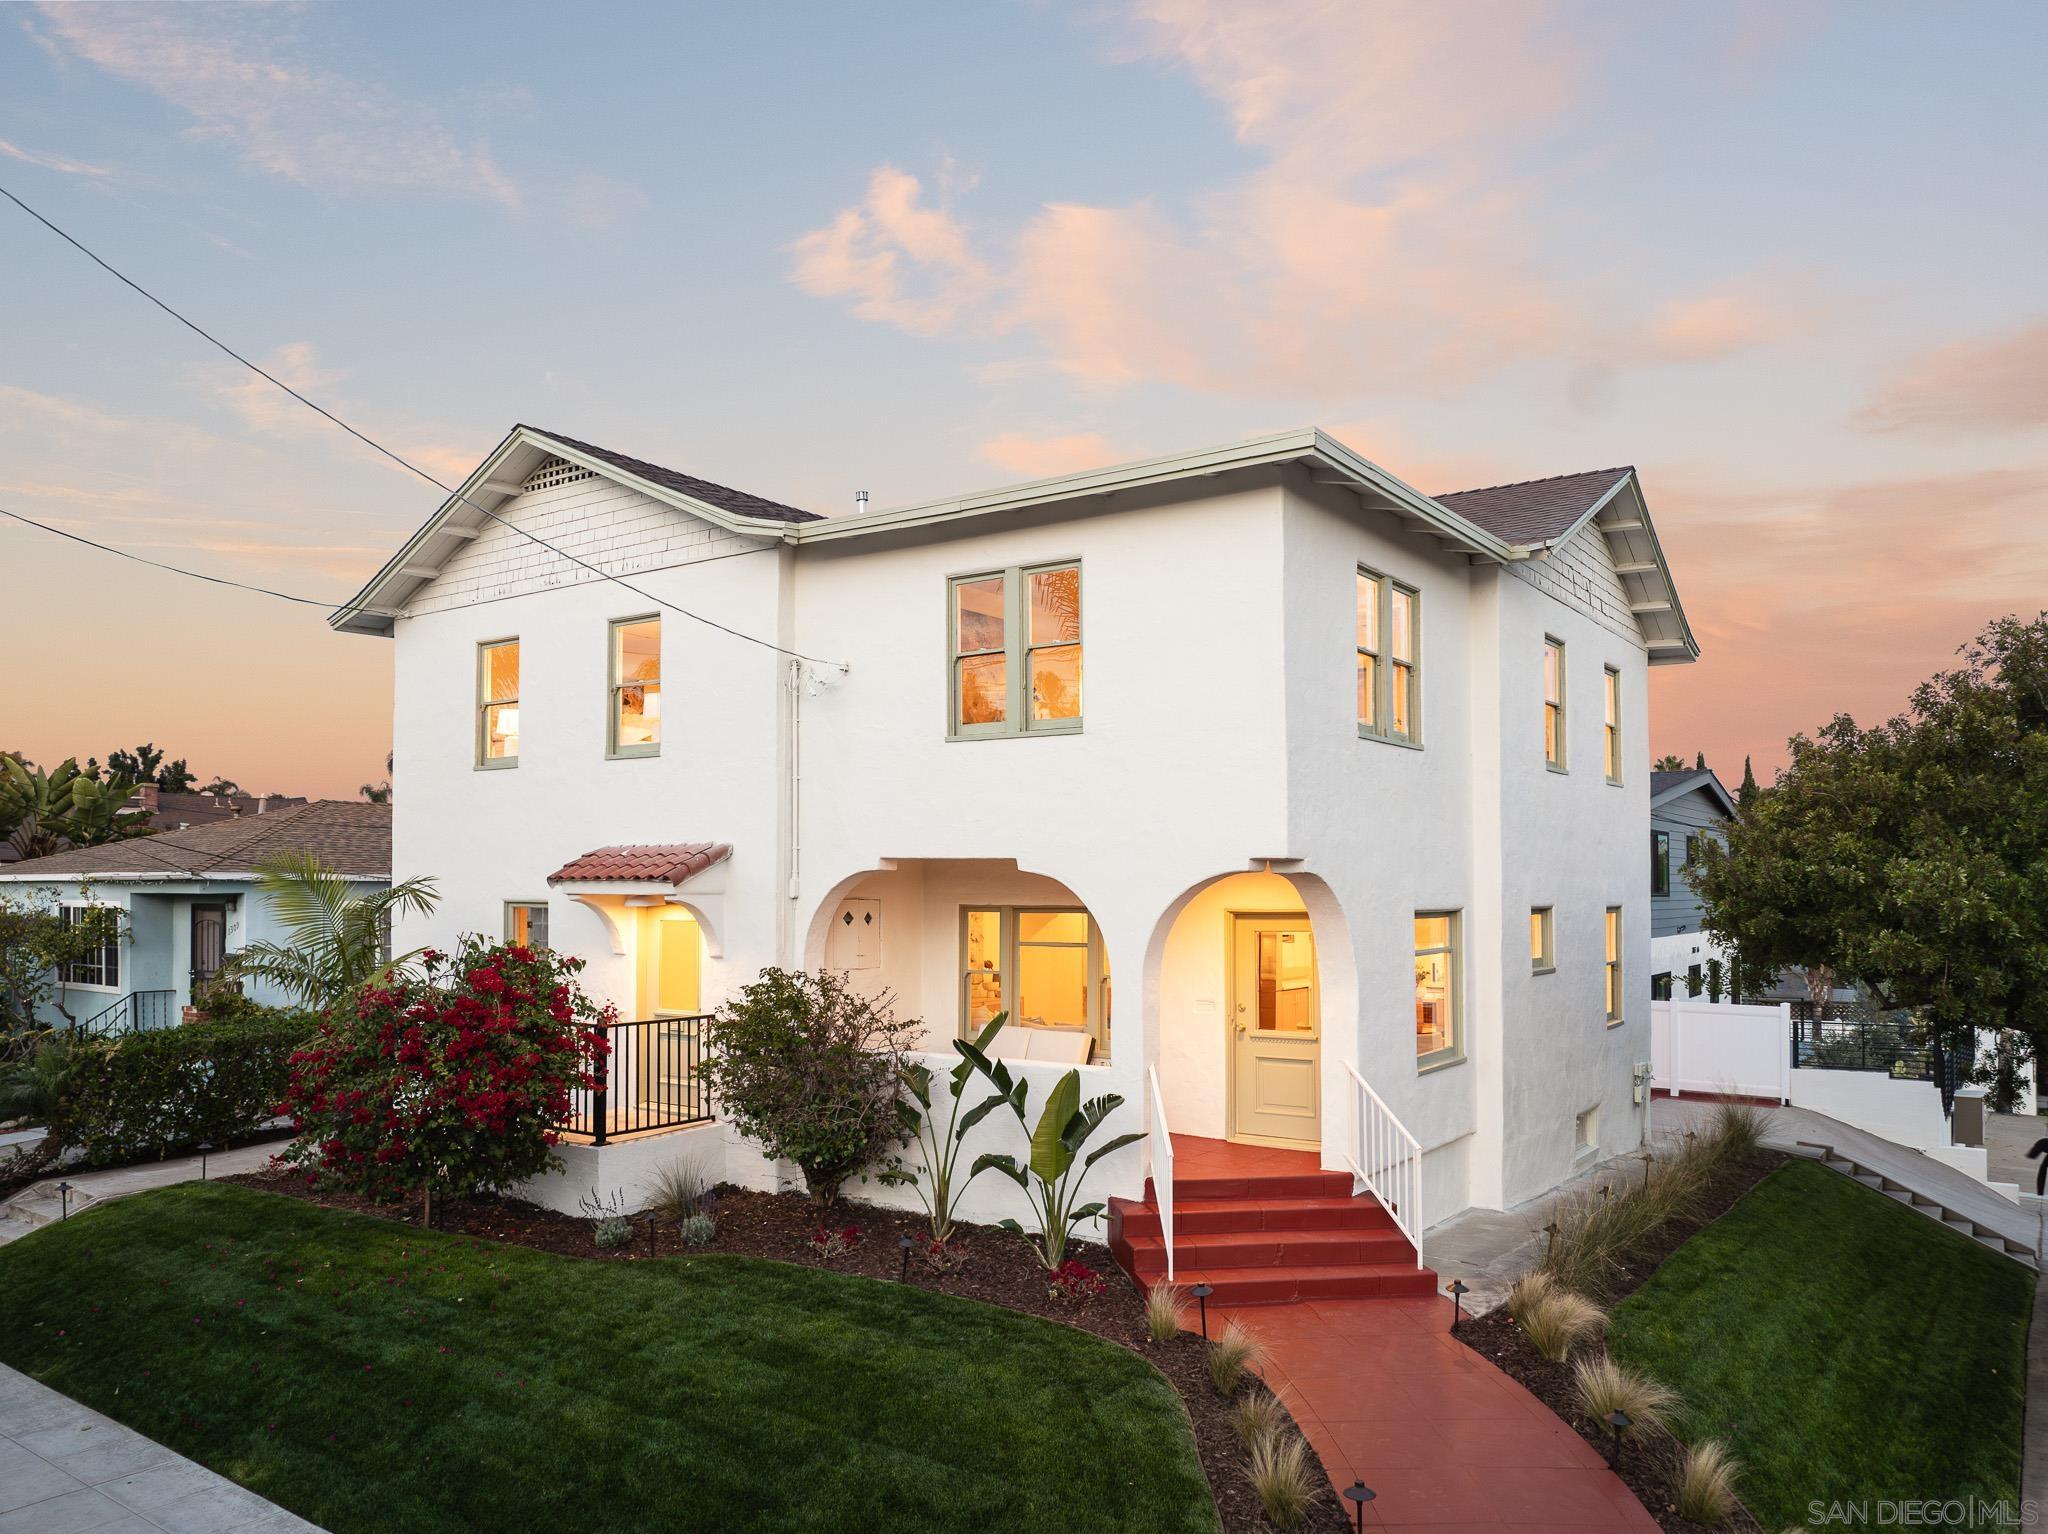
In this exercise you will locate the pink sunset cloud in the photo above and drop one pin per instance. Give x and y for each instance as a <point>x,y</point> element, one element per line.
<point>1985,383</point>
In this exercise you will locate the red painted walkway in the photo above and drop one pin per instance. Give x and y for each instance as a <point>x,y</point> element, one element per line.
<point>1387,1396</point>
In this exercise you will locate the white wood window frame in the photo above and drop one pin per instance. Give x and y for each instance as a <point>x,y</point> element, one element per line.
<point>111,951</point>
<point>485,762</point>
<point>1452,1053</point>
<point>615,685</point>
<point>1556,731</point>
<point>1016,653</point>
<point>1386,663</point>
<point>1008,946</point>
<point>512,906</point>
<point>1610,703</point>
<point>1612,934</point>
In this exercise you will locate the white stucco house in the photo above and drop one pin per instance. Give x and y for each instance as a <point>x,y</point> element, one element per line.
<point>1299,808</point>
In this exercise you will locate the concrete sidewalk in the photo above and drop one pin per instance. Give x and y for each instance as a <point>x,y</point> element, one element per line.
<point>40,1203</point>
<point>65,1469</point>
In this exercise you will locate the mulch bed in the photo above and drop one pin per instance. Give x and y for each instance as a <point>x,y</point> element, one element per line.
<point>998,1269</point>
<point>1649,1464</point>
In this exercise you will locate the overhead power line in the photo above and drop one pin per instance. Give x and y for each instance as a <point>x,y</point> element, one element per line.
<point>397,458</point>
<point>197,575</point>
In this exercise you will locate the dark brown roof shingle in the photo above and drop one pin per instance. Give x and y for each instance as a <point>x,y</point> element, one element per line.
<point>660,863</point>
<point>1534,510</point>
<point>723,496</point>
<point>348,837</point>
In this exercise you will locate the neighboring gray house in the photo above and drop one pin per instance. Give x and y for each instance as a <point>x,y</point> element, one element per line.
<point>190,899</point>
<point>1685,807</point>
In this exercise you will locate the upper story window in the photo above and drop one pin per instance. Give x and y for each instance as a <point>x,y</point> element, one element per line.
<point>635,688</point>
<point>1660,862</point>
<point>1611,702</point>
<point>1542,941</point>
<point>1614,997</point>
<point>99,965</point>
<point>1437,1037</point>
<point>526,923</point>
<point>1553,704</point>
<point>1388,635</point>
<point>1016,651</point>
<point>497,704</point>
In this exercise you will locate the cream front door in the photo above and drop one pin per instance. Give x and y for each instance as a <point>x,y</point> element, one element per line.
<point>1275,1058</point>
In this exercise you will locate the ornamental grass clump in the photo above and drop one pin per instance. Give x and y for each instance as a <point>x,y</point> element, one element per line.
<point>456,1080</point>
<point>1706,1483</point>
<point>1258,1415</point>
<point>1736,1131</point>
<point>1606,1387</point>
<point>681,1194</point>
<point>1286,1477</point>
<point>1233,1352</point>
<point>1553,1319</point>
<point>1162,1311</point>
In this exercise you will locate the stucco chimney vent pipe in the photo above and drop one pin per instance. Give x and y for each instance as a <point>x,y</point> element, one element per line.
<point>860,502</point>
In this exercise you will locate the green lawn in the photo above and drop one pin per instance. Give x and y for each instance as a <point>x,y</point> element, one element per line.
<point>374,1379</point>
<point>1843,1346</point>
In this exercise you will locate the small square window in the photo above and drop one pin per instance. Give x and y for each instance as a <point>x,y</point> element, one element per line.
<point>526,923</point>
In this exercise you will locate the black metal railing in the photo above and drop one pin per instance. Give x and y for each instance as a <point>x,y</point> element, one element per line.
<point>136,1012</point>
<point>1891,1044</point>
<point>652,1080</point>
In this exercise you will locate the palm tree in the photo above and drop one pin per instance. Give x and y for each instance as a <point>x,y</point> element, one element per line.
<point>338,937</point>
<point>380,793</point>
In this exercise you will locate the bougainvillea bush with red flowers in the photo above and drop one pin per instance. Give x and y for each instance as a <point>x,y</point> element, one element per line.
<point>454,1080</point>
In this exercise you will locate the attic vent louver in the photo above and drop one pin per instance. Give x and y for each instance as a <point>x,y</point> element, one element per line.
<point>557,471</point>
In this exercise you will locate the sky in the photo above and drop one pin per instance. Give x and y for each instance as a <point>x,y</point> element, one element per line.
<point>1785,258</point>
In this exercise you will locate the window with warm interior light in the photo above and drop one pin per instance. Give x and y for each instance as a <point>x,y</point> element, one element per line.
<point>1612,704</point>
<point>497,704</point>
<point>99,966</point>
<point>1614,997</point>
<point>635,687</point>
<point>526,923</point>
<point>1660,862</point>
<point>1553,704</point>
<point>1016,643</point>
<point>1436,987</point>
<point>1542,956</point>
<point>1388,632</point>
<point>1045,967</point>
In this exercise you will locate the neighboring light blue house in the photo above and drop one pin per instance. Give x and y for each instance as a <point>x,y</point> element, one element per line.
<point>190,899</point>
<point>1685,808</point>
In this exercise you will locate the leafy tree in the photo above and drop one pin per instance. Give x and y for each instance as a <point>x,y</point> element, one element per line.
<point>45,812</point>
<point>1746,795</point>
<point>1668,763</point>
<point>379,793</point>
<point>1699,761</point>
<point>337,934</point>
<point>455,1080</point>
<point>146,764</point>
<point>814,1071</point>
<point>1911,858</point>
<point>222,787</point>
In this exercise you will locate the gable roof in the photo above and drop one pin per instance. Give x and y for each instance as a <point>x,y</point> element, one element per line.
<point>1501,524</point>
<point>1537,510</point>
<point>349,837</point>
<point>1666,786</point>
<point>737,502</point>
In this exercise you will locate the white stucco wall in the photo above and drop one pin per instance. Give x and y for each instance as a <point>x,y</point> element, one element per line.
<point>1219,739</point>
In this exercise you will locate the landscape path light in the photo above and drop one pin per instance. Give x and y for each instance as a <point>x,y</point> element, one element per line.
<point>1358,1494</point>
<point>1201,1293</point>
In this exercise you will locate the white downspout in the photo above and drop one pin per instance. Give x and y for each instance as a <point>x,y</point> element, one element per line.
<point>795,687</point>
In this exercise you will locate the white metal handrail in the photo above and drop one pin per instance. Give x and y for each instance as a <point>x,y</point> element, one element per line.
<point>1387,1159</point>
<point>1162,1165</point>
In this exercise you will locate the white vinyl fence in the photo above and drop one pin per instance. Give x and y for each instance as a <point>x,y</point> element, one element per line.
<point>1703,1046</point>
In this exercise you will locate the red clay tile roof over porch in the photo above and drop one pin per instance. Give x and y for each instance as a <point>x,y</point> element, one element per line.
<point>1533,510</point>
<point>653,863</point>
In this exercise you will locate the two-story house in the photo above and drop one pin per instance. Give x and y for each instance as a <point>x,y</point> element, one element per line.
<point>1297,807</point>
<point>1687,809</point>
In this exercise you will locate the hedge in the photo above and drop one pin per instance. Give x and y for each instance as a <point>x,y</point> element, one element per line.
<point>170,1089</point>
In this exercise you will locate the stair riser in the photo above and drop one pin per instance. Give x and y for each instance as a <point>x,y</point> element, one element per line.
<point>1284,1288</point>
<point>1149,1259</point>
<point>1194,1220</point>
<point>1307,1185</point>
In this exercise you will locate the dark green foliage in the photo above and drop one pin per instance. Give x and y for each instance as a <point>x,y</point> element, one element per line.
<point>813,1070</point>
<point>169,1089</point>
<point>378,1379</point>
<point>1843,1347</point>
<point>1746,795</point>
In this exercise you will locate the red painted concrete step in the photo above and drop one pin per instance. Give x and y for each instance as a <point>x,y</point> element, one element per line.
<point>1281,1285</point>
<point>1266,1249</point>
<point>1218,1215</point>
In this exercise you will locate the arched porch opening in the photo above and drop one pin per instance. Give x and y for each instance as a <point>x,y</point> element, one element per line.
<point>1251,1006</point>
<point>954,941</point>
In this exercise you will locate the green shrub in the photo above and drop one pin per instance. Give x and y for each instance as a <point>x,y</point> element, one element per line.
<point>613,1232</point>
<point>170,1089</point>
<point>812,1070</point>
<point>698,1229</point>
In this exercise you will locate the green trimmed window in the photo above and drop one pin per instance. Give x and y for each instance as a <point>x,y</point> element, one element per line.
<point>497,703</point>
<point>1553,704</point>
<point>1611,702</point>
<point>1614,996</point>
<point>1015,638</point>
<point>526,922</point>
<point>635,647</point>
<point>1439,1036</point>
<point>1045,966</point>
<point>1388,635</point>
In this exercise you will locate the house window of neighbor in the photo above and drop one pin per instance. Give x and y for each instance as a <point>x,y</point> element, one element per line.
<point>1692,850</point>
<point>497,704</point>
<point>1695,980</point>
<point>1613,965</point>
<point>1436,987</point>
<point>1542,956</point>
<point>1660,987</point>
<point>1016,643</point>
<point>635,687</point>
<point>1045,967</point>
<point>101,965</point>
<point>1553,704</point>
<point>526,923</point>
<point>1388,637</point>
<point>1612,704</point>
<point>1660,862</point>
